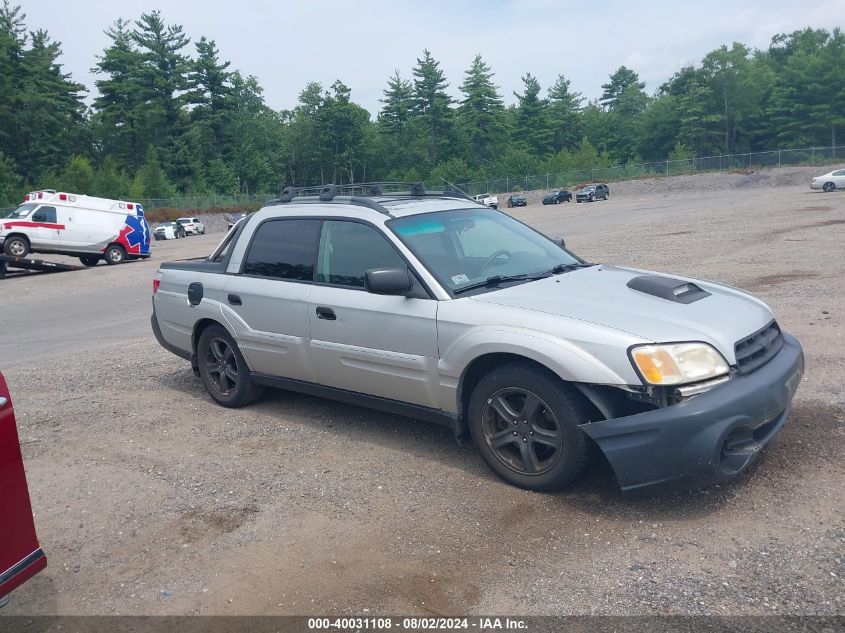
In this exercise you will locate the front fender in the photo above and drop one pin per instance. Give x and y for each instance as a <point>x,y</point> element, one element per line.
<point>564,358</point>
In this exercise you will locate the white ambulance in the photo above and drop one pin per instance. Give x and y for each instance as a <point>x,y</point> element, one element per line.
<point>81,226</point>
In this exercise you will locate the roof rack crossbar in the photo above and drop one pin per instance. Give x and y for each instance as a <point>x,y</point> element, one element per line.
<point>362,191</point>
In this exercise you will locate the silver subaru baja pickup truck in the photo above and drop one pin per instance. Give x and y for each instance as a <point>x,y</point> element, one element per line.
<point>433,306</point>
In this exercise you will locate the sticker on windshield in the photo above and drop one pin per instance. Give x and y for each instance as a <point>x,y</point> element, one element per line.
<point>459,279</point>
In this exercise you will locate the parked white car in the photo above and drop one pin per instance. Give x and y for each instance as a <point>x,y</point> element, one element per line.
<point>193,226</point>
<point>487,200</point>
<point>169,231</point>
<point>830,181</point>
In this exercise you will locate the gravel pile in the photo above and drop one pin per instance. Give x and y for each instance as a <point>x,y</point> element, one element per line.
<point>700,183</point>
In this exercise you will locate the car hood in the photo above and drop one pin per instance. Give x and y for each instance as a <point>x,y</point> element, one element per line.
<point>600,295</point>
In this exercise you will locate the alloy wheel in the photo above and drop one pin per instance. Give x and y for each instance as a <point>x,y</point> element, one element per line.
<point>521,430</point>
<point>221,366</point>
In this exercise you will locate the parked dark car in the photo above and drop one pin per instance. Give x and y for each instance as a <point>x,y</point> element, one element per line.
<point>556,197</point>
<point>235,218</point>
<point>21,557</point>
<point>517,200</point>
<point>591,193</point>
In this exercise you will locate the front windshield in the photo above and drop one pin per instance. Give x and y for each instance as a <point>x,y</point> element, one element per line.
<point>467,246</point>
<point>586,190</point>
<point>22,211</point>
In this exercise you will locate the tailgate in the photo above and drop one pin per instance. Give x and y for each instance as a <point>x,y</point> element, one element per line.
<point>20,554</point>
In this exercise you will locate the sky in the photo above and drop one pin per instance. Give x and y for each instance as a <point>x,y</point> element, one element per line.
<point>287,44</point>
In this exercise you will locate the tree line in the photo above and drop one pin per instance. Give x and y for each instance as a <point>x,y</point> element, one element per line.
<point>171,117</point>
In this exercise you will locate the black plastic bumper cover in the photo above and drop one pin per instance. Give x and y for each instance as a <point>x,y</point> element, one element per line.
<point>709,437</point>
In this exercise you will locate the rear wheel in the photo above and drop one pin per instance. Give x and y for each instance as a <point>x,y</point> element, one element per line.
<point>89,260</point>
<point>828,187</point>
<point>16,246</point>
<point>115,254</point>
<point>525,422</point>
<point>223,369</point>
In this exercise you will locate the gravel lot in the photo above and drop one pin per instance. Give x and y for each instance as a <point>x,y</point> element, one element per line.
<point>150,499</point>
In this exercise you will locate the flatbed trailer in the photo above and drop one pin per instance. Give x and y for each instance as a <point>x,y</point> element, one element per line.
<point>21,264</point>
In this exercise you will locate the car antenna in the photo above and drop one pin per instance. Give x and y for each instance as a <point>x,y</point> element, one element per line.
<point>454,187</point>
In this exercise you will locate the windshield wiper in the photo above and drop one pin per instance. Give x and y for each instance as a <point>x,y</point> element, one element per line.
<point>565,268</point>
<point>495,280</point>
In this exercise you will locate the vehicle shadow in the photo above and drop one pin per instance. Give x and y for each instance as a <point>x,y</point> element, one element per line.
<point>595,493</point>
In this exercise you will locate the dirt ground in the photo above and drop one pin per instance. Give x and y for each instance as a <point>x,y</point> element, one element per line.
<point>150,499</point>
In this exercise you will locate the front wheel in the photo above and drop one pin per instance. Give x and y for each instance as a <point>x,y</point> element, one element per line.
<point>115,254</point>
<point>89,260</point>
<point>16,246</point>
<point>525,422</point>
<point>828,187</point>
<point>223,369</point>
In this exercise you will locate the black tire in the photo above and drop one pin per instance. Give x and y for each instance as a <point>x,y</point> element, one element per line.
<point>115,254</point>
<point>828,187</point>
<point>90,260</point>
<point>223,370</point>
<point>577,200</point>
<point>16,246</point>
<point>508,437</point>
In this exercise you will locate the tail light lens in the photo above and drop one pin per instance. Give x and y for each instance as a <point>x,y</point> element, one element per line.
<point>156,284</point>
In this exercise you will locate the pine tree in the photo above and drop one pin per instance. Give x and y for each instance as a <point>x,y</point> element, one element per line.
<point>620,81</point>
<point>481,111</point>
<point>564,111</point>
<point>431,104</point>
<point>119,116</point>
<point>163,78</point>
<point>210,93</point>
<point>531,129</point>
<point>51,120</point>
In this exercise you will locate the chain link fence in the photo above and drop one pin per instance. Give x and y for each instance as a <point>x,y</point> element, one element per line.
<point>202,203</point>
<point>665,168</point>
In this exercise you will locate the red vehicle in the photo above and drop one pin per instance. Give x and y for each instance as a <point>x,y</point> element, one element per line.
<point>21,556</point>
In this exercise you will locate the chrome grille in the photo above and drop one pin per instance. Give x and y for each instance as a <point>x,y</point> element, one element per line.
<point>759,348</point>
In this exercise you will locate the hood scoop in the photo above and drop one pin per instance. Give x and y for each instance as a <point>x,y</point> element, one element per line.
<point>668,288</point>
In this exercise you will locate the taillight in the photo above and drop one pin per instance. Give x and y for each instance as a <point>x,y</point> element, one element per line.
<point>156,284</point>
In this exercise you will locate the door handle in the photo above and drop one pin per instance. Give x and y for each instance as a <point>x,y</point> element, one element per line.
<point>235,300</point>
<point>326,313</point>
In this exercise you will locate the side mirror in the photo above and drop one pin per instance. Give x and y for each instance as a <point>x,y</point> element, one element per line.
<point>388,281</point>
<point>559,241</point>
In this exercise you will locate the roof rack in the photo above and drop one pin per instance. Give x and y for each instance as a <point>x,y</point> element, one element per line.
<point>327,193</point>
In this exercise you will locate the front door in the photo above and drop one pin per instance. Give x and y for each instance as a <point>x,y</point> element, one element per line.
<point>45,230</point>
<point>266,304</point>
<point>378,345</point>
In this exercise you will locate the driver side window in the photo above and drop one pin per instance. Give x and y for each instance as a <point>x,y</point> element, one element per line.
<point>45,214</point>
<point>349,249</point>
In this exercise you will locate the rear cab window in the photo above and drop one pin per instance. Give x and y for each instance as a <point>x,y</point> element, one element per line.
<point>283,249</point>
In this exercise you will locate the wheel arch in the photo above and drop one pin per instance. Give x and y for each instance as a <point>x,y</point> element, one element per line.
<point>485,363</point>
<point>23,236</point>
<point>199,327</point>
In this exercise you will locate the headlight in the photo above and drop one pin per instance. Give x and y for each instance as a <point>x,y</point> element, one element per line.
<point>678,363</point>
